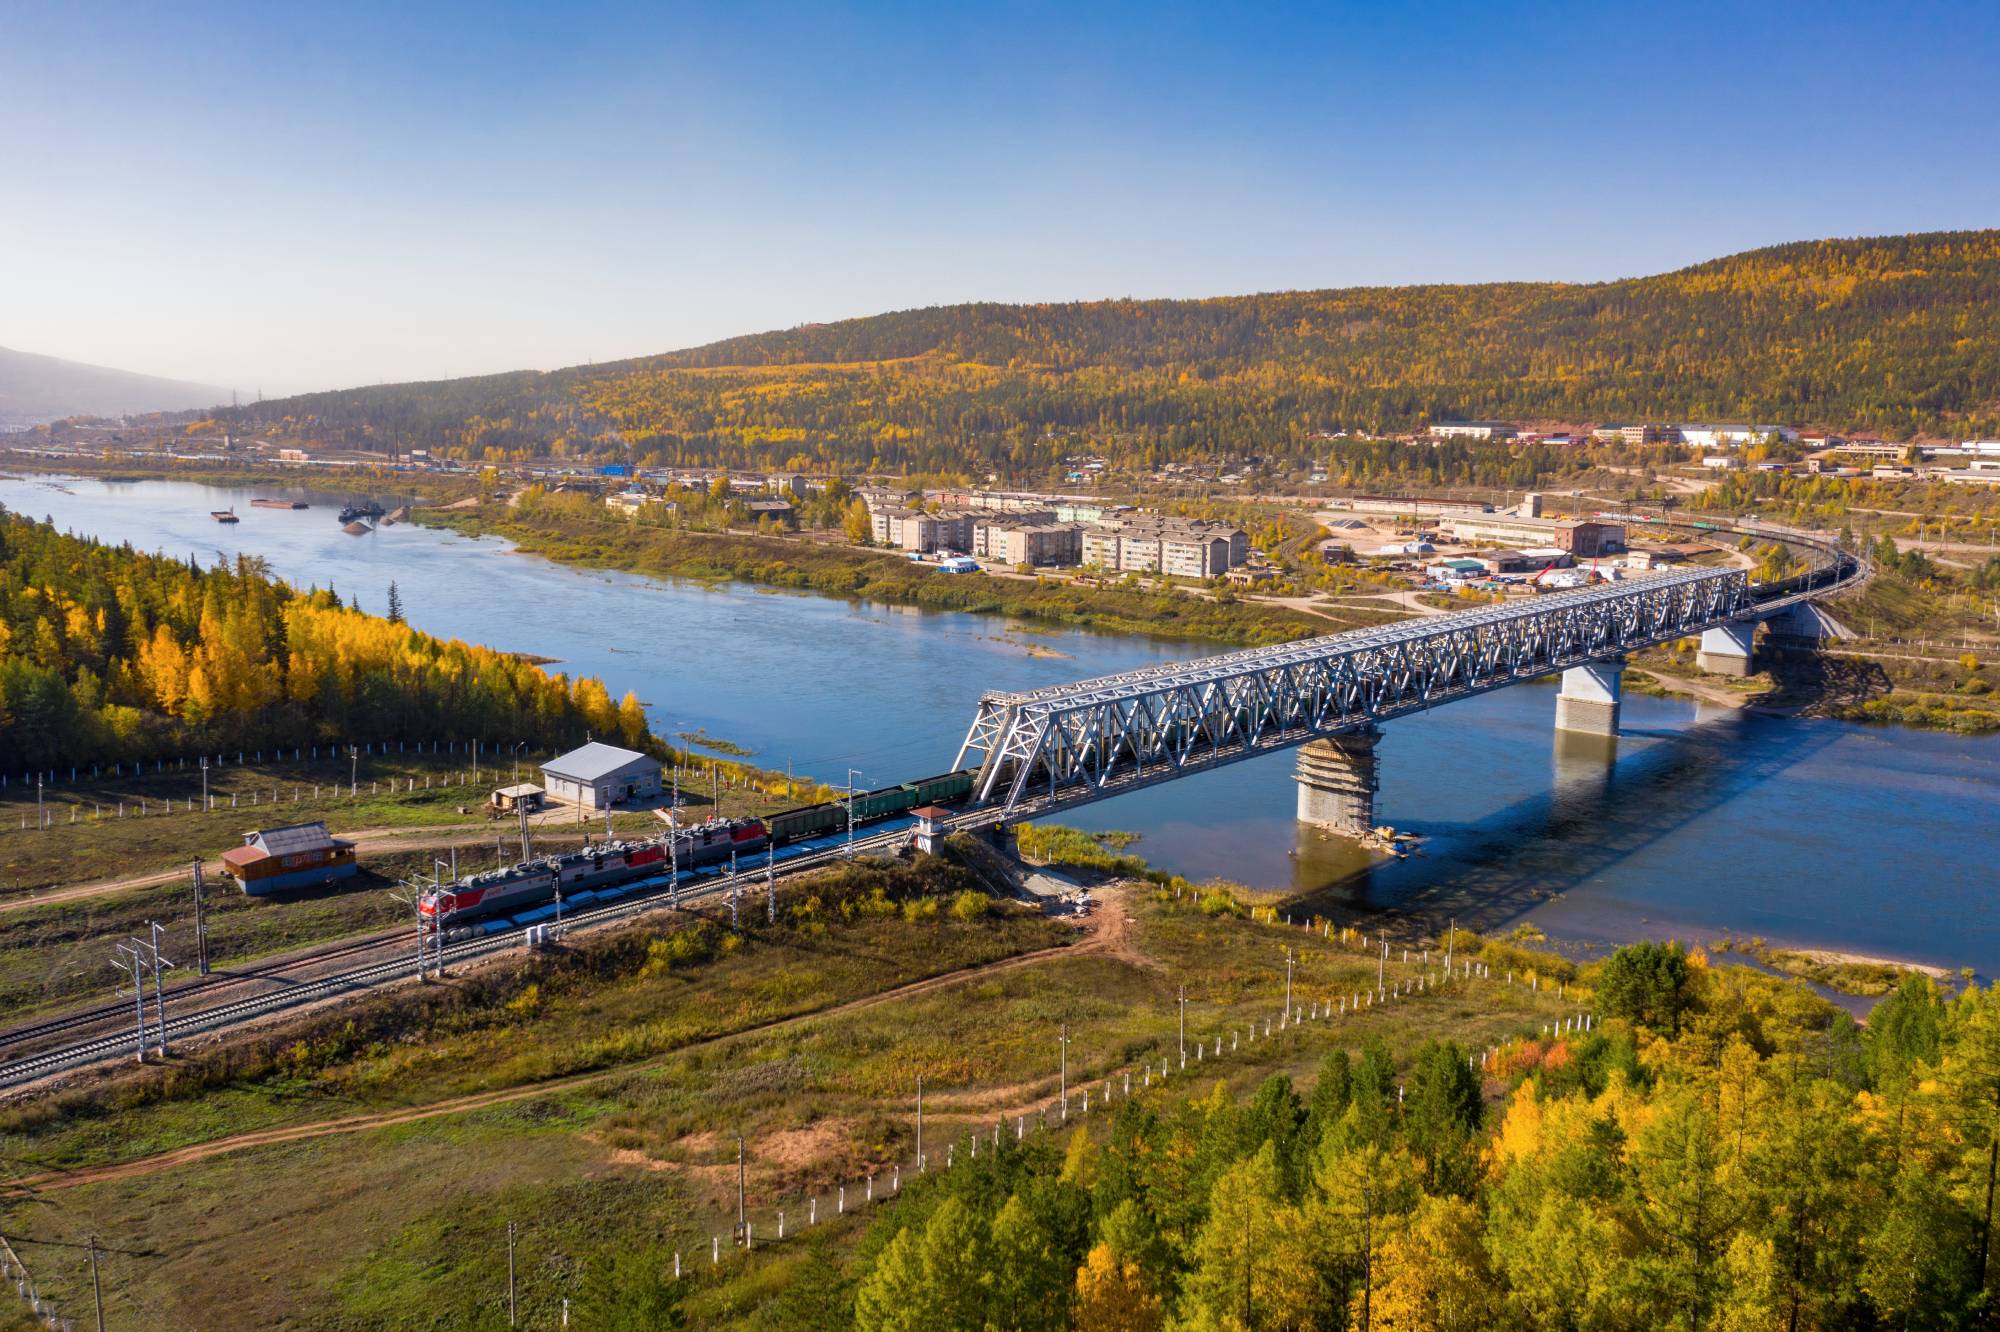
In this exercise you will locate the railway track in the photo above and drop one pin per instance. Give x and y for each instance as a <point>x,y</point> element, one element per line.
<point>235,976</point>
<point>703,888</point>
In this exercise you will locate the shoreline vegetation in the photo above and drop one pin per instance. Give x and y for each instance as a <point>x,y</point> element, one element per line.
<point>871,575</point>
<point>1108,854</point>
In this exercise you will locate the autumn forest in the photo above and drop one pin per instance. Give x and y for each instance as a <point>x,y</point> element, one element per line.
<point>107,654</point>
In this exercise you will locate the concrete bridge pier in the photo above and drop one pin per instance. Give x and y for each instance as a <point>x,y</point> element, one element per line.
<point>1588,703</point>
<point>1337,785</point>
<point>1725,649</point>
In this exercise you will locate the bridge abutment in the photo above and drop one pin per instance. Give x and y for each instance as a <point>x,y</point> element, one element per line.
<point>1337,784</point>
<point>1726,649</point>
<point>1588,703</point>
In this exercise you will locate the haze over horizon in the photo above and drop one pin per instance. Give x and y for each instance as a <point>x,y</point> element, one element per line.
<point>316,200</point>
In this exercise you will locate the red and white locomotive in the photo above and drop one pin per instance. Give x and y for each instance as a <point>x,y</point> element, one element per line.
<point>534,882</point>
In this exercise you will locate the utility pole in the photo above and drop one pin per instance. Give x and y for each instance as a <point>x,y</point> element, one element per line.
<point>510,1274</point>
<point>851,775</point>
<point>353,770</point>
<point>920,1123</point>
<point>38,798</point>
<point>1062,1068</point>
<point>414,899</point>
<point>204,782</point>
<point>159,988</point>
<point>1183,1042</point>
<point>1288,986</point>
<point>741,1232</point>
<point>1450,938</point>
<point>128,957</point>
<point>200,921</point>
<point>1382,967</point>
<point>527,852</point>
<point>96,1287</point>
<point>770,883</point>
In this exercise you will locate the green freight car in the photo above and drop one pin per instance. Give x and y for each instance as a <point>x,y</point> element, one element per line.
<point>817,820</point>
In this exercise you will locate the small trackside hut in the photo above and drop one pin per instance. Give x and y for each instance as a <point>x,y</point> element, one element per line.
<point>511,799</point>
<point>299,855</point>
<point>598,776</point>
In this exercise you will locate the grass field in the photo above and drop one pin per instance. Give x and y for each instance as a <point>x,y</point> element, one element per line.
<point>88,841</point>
<point>673,1049</point>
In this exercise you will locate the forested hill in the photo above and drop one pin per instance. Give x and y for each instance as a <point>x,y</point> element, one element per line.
<point>1899,335</point>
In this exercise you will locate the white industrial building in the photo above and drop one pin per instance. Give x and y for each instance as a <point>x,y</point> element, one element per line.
<point>599,776</point>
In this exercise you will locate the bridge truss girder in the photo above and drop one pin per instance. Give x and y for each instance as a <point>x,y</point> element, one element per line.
<point>1070,742</point>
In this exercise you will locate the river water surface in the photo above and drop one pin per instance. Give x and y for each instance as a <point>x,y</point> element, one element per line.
<point>1818,834</point>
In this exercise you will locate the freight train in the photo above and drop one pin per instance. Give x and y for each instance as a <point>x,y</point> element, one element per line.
<point>529,892</point>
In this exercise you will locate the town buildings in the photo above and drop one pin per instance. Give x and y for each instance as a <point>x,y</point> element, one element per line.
<point>1180,547</point>
<point>1483,430</point>
<point>1031,539</point>
<point>1581,538</point>
<point>915,530</point>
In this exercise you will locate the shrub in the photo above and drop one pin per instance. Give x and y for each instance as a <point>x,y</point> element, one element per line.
<point>682,948</point>
<point>1649,984</point>
<point>970,905</point>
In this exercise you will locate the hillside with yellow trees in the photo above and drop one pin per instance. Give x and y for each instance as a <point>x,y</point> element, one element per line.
<point>1899,335</point>
<point>107,654</point>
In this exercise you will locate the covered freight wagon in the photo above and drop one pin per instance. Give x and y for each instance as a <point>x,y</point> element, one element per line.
<point>299,855</point>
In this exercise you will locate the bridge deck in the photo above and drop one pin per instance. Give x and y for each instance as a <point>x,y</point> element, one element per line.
<point>1070,743</point>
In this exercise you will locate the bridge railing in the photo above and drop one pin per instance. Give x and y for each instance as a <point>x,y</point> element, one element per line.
<point>1161,721</point>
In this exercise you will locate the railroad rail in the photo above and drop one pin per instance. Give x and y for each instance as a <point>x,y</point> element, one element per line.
<point>195,989</point>
<point>709,886</point>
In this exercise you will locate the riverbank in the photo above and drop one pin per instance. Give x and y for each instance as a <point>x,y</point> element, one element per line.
<point>1107,856</point>
<point>868,575</point>
<point>129,468</point>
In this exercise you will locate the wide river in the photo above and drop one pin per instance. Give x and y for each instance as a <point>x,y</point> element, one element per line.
<point>1810,833</point>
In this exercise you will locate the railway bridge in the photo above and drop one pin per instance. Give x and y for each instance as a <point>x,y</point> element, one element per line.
<point>1053,748</point>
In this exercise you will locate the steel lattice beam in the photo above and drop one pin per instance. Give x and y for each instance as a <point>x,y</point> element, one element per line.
<point>1158,721</point>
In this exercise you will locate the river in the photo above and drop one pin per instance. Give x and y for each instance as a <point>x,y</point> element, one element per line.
<point>1819,834</point>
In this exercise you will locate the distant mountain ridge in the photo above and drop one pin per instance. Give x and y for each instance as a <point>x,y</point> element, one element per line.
<point>1896,334</point>
<point>36,388</point>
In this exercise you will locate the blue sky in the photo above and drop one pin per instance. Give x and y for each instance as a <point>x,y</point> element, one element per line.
<point>292,197</point>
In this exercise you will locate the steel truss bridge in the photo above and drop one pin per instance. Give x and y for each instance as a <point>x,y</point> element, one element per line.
<point>1065,745</point>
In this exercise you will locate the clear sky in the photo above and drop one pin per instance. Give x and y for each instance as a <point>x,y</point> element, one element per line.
<point>302,196</point>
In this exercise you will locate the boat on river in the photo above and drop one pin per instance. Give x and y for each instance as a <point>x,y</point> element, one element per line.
<point>279,504</point>
<point>224,515</point>
<point>355,512</point>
